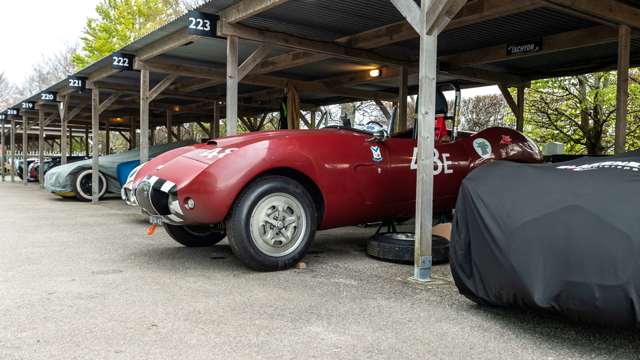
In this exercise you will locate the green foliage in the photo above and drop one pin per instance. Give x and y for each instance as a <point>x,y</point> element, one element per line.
<point>580,112</point>
<point>120,22</point>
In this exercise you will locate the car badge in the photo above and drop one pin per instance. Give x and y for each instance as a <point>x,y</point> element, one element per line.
<point>506,140</point>
<point>377,153</point>
<point>483,148</point>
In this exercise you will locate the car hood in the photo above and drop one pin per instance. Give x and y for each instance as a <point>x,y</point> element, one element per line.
<point>220,148</point>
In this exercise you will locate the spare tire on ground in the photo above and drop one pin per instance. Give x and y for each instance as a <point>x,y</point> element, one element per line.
<point>562,237</point>
<point>399,247</point>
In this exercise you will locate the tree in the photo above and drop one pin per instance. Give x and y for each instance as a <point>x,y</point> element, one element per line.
<point>120,22</point>
<point>580,112</point>
<point>49,71</point>
<point>7,92</point>
<point>482,111</point>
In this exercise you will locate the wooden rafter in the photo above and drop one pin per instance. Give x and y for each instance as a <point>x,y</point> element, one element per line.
<point>553,43</point>
<point>247,8</point>
<point>294,42</point>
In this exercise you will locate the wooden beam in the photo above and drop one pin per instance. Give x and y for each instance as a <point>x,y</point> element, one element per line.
<point>384,110</point>
<point>25,148</point>
<point>622,96</point>
<point>559,42</point>
<point>520,114</point>
<point>424,154</point>
<point>473,12</point>
<point>12,144</point>
<point>199,85</point>
<point>164,45</point>
<point>287,61</point>
<point>485,76</point>
<point>144,115</point>
<point>444,16</point>
<point>509,98</point>
<point>162,86</point>
<point>75,112</point>
<point>232,85</point>
<point>105,104</point>
<point>245,9</point>
<point>41,119</point>
<point>202,127</point>
<point>95,151</point>
<point>103,73</point>
<point>254,59</point>
<point>411,12</point>
<point>294,42</point>
<point>613,11</point>
<point>215,73</point>
<point>403,94</point>
<point>64,120</point>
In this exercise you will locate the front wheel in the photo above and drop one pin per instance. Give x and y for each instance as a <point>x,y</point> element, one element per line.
<point>272,224</point>
<point>195,236</point>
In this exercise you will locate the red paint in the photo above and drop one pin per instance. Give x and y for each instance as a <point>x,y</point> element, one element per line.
<point>355,188</point>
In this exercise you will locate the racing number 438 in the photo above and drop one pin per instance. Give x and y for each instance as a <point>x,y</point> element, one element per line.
<point>441,163</point>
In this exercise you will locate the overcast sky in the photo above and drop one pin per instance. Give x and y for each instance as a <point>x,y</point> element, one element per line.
<point>32,28</point>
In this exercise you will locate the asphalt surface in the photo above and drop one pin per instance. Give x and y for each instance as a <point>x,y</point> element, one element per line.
<point>79,281</point>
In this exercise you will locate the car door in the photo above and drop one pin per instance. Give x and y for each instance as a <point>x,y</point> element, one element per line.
<point>400,178</point>
<point>370,171</point>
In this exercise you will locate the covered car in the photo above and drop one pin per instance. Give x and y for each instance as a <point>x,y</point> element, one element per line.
<point>74,179</point>
<point>270,191</point>
<point>560,237</point>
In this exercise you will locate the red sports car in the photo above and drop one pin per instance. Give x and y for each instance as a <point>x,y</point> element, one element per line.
<point>270,191</point>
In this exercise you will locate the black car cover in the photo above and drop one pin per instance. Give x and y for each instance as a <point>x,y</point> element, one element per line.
<point>560,237</point>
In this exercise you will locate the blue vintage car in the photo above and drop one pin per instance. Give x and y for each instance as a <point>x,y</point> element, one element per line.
<point>74,180</point>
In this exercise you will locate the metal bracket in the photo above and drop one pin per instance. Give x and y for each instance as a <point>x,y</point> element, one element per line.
<point>422,271</point>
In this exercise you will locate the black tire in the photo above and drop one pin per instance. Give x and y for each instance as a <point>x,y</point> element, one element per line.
<point>81,184</point>
<point>250,251</point>
<point>195,236</point>
<point>399,247</point>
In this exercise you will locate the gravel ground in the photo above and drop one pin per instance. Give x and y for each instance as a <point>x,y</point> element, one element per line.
<point>85,282</point>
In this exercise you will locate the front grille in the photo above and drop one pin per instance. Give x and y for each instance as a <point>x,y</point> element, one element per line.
<point>154,195</point>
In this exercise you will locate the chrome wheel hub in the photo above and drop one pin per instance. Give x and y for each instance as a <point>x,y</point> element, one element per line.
<point>278,224</point>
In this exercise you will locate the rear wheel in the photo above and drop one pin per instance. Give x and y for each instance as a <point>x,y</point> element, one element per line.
<point>82,185</point>
<point>272,224</point>
<point>195,236</point>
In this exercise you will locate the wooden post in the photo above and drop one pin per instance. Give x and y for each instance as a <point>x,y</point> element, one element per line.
<point>169,125</point>
<point>107,138</point>
<point>86,140</point>
<point>403,94</point>
<point>64,112</point>
<point>426,121</point>
<point>232,85</point>
<point>132,133</point>
<point>12,143</point>
<point>214,121</point>
<point>622,97</point>
<point>520,113</point>
<point>3,146</point>
<point>144,115</point>
<point>25,148</point>
<point>41,147</point>
<point>95,154</point>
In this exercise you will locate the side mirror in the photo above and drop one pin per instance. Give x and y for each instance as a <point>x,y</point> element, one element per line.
<point>379,136</point>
